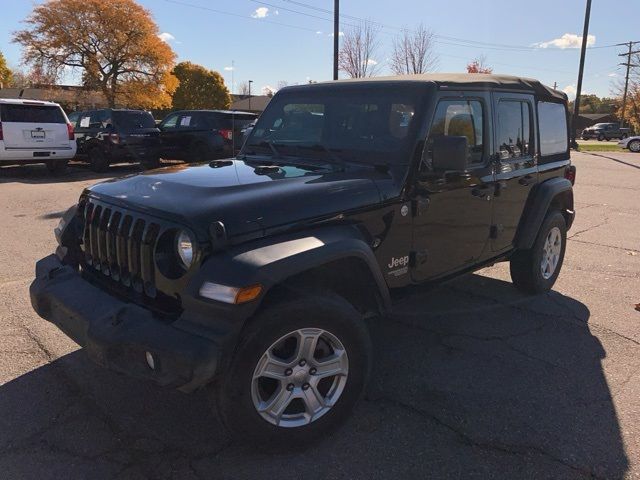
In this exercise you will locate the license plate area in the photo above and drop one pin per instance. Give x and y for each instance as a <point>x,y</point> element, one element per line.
<point>41,154</point>
<point>38,134</point>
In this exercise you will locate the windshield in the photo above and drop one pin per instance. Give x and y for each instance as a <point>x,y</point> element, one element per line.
<point>367,125</point>
<point>133,120</point>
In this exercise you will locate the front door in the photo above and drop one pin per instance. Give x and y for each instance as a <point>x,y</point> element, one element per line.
<point>452,214</point>
<point>516,170</point>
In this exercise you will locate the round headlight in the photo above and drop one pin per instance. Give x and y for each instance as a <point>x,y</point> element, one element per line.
<point>184,245</point>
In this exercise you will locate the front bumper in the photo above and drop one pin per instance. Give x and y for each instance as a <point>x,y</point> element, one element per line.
<point>117,334</point>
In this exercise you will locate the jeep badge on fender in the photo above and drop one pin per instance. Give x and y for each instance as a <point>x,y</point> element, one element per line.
<point>253,275</point>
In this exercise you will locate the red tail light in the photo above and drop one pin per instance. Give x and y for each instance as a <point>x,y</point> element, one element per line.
<point>70,131</point>
<point>227,134</point>
<point>1,137</point>
<point>570,174</point>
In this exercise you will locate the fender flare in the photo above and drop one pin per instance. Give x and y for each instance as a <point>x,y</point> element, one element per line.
<point>537,209</point>
<point>272,260</point>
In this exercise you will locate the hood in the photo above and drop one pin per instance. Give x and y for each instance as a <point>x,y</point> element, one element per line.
<point>235,192</point>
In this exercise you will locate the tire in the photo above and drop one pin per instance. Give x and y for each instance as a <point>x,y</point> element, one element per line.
<point>600,137</point>
<point>240,392</point>
<point>98,160</point>
<point>607,138</point>
<point>527,265</point>
<point>150,163</point>
<point>57,167</point>
<point>634,146</point>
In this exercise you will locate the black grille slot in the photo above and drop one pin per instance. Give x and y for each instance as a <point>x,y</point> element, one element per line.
<point>121,247</point>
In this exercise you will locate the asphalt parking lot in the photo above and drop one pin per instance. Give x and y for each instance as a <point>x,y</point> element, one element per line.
<point>472,379</point>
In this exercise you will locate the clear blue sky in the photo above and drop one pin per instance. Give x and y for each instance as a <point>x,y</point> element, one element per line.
<point>289,40</point>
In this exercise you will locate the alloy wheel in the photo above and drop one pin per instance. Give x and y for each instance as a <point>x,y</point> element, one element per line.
<point>551,253</point>
<point>300,377</point>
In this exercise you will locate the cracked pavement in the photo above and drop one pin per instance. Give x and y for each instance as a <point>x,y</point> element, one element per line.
<point>471,379</point>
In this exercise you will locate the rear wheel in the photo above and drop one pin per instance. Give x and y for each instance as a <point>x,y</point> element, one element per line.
<point>536,270</point>
<point>297,373</point>
<point>57,166</point>
<point>634,145</point>
<point>98,160</point>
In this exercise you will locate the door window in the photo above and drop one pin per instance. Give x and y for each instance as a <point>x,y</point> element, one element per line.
<point>514,129</point>
<point>459,118</point>
<point>170,122</point>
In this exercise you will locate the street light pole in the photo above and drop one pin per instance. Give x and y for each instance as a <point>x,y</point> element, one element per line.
<point>336,36</point>
<point>583,53</point>
<point>250,82</point>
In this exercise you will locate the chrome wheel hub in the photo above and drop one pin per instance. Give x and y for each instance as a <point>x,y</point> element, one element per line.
<point>300,377</point>
<point>551,253</point>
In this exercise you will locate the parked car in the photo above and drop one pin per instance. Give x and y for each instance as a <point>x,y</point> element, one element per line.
<point>35,132</point>
<point>605,131</point>
<point>109,136</point>
<point>201,135</point>
<point>255,274</point>
<point>632,143</point>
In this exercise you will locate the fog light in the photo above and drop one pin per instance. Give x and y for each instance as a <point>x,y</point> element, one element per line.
<point>150,360</point>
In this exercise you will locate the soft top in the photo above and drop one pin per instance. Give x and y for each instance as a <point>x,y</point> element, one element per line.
<point>465,80</point>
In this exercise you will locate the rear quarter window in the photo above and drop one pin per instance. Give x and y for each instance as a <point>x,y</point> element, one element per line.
<point>552,122</point>
<point>17,113</point>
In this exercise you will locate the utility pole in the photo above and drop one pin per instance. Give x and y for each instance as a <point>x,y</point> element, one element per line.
<point>583,53</point>
<point>626,78</point>
<point>250,82</point>
<point>336,36</point>
<point>555,85</point>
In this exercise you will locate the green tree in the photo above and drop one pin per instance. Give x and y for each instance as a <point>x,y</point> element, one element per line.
<point>5,73</point>
<point>199,88</point>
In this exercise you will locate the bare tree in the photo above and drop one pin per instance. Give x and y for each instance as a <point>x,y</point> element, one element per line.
<point>413,52</point>
<point>244,88</point>
<point>359,46</point>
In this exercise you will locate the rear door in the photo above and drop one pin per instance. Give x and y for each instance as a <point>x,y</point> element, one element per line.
<point>34,126</point>
<point>516,160</point>
<point>169,136</point>
<point>138,131</point>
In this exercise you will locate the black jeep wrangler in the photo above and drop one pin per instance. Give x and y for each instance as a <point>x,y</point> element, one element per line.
<point>255,274</point>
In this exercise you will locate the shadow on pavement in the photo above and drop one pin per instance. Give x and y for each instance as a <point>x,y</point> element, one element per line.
<point>471,379</point>
<point>39,175</point>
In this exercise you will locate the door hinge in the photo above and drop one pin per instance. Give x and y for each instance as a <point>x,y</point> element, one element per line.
<point>421,204</point>
<point>496,230</point>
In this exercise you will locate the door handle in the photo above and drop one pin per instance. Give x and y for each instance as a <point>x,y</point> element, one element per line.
<point>526,180</point>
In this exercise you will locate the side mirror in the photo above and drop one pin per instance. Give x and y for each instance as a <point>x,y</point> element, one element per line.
<point>449,153</point>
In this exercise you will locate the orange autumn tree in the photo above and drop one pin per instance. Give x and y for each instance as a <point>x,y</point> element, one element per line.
<point>479,65</point>
<point>113,43</point>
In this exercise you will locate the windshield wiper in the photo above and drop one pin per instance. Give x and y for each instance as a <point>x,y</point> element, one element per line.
<point>321,146</point>
<point>267,143</point>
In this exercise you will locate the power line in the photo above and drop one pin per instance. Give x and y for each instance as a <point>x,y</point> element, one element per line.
<point>626,78</point>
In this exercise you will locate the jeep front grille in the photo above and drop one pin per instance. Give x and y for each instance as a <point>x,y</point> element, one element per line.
<point>120,245</point>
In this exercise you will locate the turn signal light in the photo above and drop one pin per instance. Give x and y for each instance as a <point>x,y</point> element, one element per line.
<point>247,294</point>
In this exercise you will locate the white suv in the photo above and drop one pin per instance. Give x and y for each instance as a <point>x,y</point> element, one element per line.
<point>35,132</point>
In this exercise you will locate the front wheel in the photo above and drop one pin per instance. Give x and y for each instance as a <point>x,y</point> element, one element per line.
<point>634,146</point>
<point>536,270</point>
<point>301,367</point>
